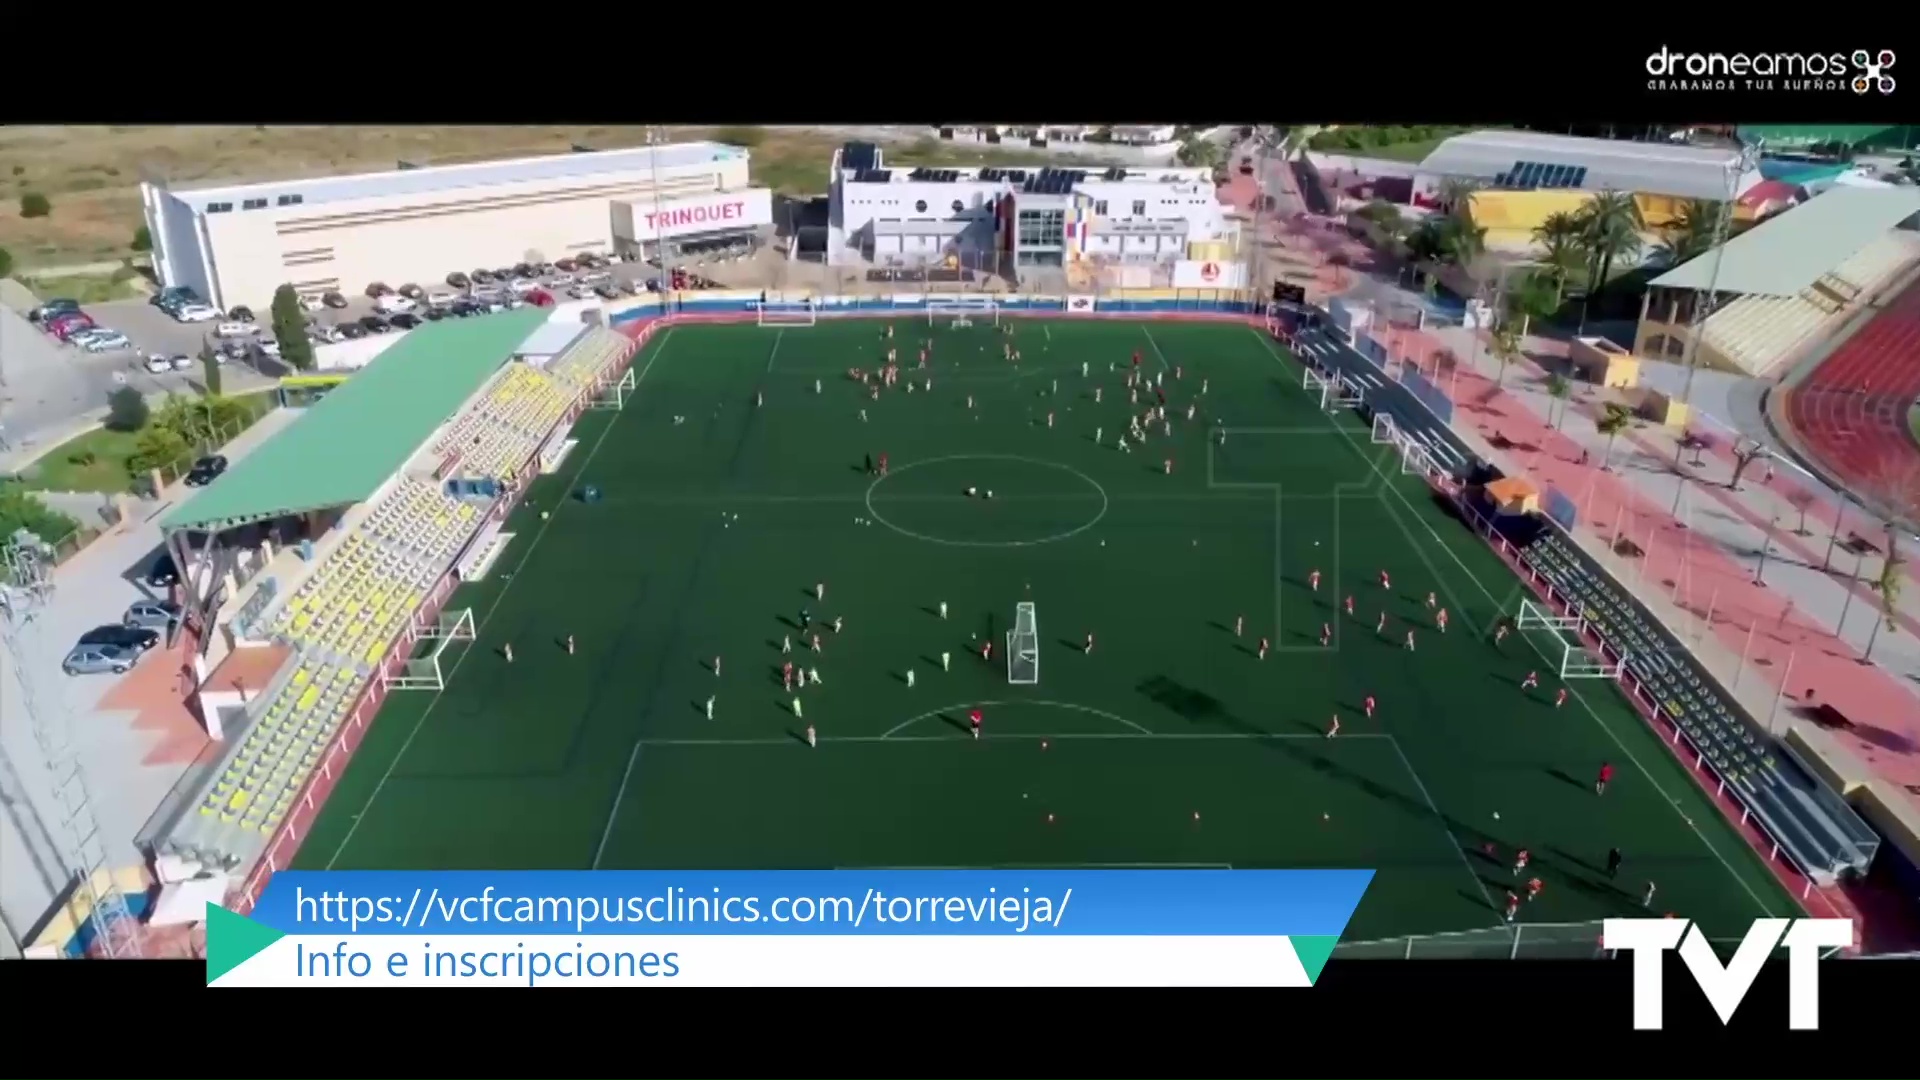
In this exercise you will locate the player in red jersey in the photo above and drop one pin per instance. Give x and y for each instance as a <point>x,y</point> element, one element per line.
<point>1605,778</point>
<point>1559,697</point>
<point>1349,605</point>
<point>1136,358</point>
<point>1313,581</point>
<point>1534,885</point>
<point>1368,705</point>
<point>1385,581</point>
<point>1531,681</point>
<point>1520,860</point>
<point>1513,905</point>
<point>986,651</point>
<point>974,720</point>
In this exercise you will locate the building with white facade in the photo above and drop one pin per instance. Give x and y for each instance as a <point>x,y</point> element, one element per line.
<point>1017,216</point>
<point>236,244</point>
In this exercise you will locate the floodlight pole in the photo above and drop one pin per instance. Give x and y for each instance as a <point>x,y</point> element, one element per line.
<point>654,137</point>
<point>26,592</point>
<point>1703,304</point>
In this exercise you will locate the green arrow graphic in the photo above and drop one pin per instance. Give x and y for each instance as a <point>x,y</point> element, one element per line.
<point>232,940</point>
<point>1313,950</point>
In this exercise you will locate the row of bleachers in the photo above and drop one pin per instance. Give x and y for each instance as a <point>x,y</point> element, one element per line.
<point>421,520</point>
<point>589,358</point>
<point>502,430</point>
<point>1757,332</point>
<point>1879,261</point>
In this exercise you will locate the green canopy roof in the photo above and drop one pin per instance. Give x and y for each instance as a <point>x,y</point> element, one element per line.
<point>360,434</point>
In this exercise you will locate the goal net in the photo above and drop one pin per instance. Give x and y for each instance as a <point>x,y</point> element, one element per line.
<point>1564,645</point>
<point>424,669</point>
<point>1319,386</point>
<point>786,313</point>
<point>1023,648</point>
<point>961,313</point>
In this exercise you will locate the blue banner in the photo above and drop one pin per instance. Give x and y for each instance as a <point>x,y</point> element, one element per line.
<point>1560,508</point>
<point>1145,903</point>
<point>1429,395</point>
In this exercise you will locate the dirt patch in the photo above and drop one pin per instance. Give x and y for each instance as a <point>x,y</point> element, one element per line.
<point>92,175</point>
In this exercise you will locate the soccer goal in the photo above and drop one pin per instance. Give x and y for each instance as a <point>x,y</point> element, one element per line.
<point>786,313</point>
<point>1347,392</point>
<point>1023,647</point>
<point>1385,432</point>
<point>424,670</point>
<point>961,313</point>
<point>1574,661</point>
<point>1415,458</point>
<point>614,395</point>
<point>1319,386</point>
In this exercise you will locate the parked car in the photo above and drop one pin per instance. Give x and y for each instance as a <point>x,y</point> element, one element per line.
<point>95,659</point>
<point>206,470</point>
<point>102,340</point>
<point>333,300</point>
<point>162,574</point>
<point>126,637</point>
<point>195,313</point>
<point>565,266</point>
<point>311,303</point>
<point>157,364</point>
<point>53,309</point>
<point>235,329</point>
<point>412,292</point>
<point>241,314</point>
<point>268,346</point>
<point>374,324</point>
<point>177,295</point>
<point>540,298</point>
<point>441,297</point>
<point>405,321</point>
<point>459,280</point>
<point>434,314</point>
<point>326,333</point>
<point>481,277</point>
<point>393,302</point>
<point>521,286</point>
<point>351,331</point>
<point>183,362</point>
<point>607,292</point>
<point>379,289</point>
<point>65,328</point>
<point>156,615</point>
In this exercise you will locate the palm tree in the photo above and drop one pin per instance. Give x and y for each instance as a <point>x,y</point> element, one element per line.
<point>1504,343</point>
<point>1536,297</point>
<point>1610,232</point>
<point>1456,195</point>
<point>1560,238</point>
<point>1199,153</point>
<point>1692,232</point>
<point>1616,420</point>
<point>1559,388</point>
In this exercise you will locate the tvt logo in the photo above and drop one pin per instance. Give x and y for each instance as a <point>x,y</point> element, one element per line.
<point>1726,986</point>
<point>1873,71</point>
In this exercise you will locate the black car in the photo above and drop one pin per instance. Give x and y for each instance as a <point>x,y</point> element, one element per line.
<point>333,300</point>
<point>127,637</point>
<point>482,277</point>
<point>162,574</point>
<point>241,314</point>
<point>405,321</point>
<point>457,279</point>
<point>206,470</point>
<point>435,314</point>
<point>352,331</point>
<point>374,324</point>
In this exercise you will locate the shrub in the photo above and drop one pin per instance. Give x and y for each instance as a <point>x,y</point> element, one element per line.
<point>143,239</point>
<point>156,447</point>
<point>6,263</point>
<point>21,509</point>
<point>127,410</point>
<point>33,205</point>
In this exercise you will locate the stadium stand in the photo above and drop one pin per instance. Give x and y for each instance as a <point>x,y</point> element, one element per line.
<point>1788,283</point>
<point>357,594</point>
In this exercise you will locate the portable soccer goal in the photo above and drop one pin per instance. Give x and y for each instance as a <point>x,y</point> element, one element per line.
<point>1415,458</point>
<point>424,669</point>
<point>1023,647</point>
<point>1319,386</point>
<point>961,313</point>
<point>1573,659</point>
<point>786,313</point>
<point>1385,431</point>
<point>1348,392</point>
<point>614,395</point>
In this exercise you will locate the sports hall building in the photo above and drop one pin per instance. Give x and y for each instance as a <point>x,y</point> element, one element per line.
<point>1528,176</point>
<point>236,244</point>
<point>1787,286</point>
<point>1020,216</point>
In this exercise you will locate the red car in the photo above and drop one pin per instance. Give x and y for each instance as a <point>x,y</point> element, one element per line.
<point>66,326</point>
<point>540,298</point>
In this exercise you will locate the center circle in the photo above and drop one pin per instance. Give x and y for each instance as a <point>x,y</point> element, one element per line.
<point>1033,501</point>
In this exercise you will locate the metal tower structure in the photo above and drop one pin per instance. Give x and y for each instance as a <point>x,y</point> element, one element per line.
<point>26,592</point>
<point>656,138</point>
<point>1706,301</point>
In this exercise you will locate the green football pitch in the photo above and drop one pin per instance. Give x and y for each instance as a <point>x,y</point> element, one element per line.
<point>1169,744</point>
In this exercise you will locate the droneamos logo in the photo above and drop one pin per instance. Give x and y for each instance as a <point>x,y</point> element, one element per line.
<point>1863,71</point>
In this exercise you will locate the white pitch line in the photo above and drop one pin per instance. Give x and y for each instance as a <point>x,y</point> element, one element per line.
<point>454,669</point>
<point>619,797</point>
<point>1081,736</point>
<point>1452,837</point>
<point>1164,366</point>
<point>775,351</point>
<point>1068,705</point>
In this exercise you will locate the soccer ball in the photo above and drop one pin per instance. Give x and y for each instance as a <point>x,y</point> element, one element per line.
<point>545,514</point>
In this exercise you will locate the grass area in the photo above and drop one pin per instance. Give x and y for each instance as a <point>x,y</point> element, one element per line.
<point>91,174</point>
<point>1171,742</point>
<point>124,284</point>
<point>97,460</point>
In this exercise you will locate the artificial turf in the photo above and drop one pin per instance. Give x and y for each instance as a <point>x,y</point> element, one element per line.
<point>1169,744</point>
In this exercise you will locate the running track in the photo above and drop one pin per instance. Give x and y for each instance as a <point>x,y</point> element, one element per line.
<point>1851,410</point>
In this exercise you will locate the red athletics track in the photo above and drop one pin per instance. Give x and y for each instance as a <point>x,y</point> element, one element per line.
<point>1851,411</point>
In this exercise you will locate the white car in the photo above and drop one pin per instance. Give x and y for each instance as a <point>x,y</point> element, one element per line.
<point>311,303</point>
<point>327,333</point>
<point>393,304</point>
<point>522,286</point>
<point>196,313</point>
<point>183,362</point>
<point>235,329</point>
<point>270,346</point>
<point>157,364</point>
<point>441,297</point>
